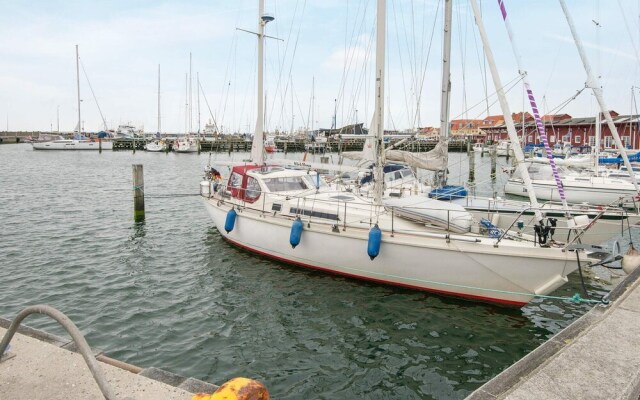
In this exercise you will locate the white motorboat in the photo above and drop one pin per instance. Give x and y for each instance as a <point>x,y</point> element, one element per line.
<point>506,213</point>
<point>480,148</point>
<point>186,144</point>
<point>503,148</point>
<point>282,214</point>
<point>594,190</point>
<point>156,146</point>
<point>72,144</point>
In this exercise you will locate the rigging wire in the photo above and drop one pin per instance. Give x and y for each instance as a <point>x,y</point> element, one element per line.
<point>93,93</point>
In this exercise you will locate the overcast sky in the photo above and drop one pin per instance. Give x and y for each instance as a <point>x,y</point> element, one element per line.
<point>326,42</point>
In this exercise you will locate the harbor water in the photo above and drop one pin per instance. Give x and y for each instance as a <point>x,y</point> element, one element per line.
<point>171,293</point>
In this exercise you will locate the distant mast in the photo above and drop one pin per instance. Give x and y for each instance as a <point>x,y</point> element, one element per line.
<point>78,84</point>
<point>190,97</point>
<point>159,122</point>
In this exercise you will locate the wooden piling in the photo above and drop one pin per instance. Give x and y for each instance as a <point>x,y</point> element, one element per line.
<point>138,193</point>
<point>472,166</point>
<point>99,145</point>
<point>482,151</point>
<point>494,155</point>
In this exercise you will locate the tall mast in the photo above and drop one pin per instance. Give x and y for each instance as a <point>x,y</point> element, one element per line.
<point>534,107</point>
<point>198,87</point>
<point>511,127</point>
<point>313,99</point>
<point>377,124</point>
<point>190,97</point>
<point>78,84</point>
<point>445,96</point>
<point>186,103</point>
<point>257,148</point>
<point>597,91</point>
<point>159,121</point>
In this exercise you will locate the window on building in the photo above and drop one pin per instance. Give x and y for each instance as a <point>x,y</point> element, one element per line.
<point>529,139</point>
<point>577,139</point>
<point>567,138</point>
<point>608,140</point>
<point>626,141</point>
<point>552,139</point>
<point>592,140</point>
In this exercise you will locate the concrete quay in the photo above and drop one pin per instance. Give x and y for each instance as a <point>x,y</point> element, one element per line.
<point>44,366</point>
<point>596,357</point>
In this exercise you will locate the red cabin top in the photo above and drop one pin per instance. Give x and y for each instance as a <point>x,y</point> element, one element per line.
<point>242,186</point>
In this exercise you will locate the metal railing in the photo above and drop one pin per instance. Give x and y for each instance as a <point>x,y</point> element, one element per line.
<point>76,335</point>
<point>260,205</point>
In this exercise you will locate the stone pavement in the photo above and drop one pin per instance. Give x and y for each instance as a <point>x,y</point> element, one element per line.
<point>596,357</point>
<point>44,366</point>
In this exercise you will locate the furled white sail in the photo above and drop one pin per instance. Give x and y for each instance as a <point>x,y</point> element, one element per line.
<point>433,160</point>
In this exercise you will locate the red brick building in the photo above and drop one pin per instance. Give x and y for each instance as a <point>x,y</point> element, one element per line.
<point>562,128</point>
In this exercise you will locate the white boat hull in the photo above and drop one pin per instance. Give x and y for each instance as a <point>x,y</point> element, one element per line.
<point>575,192</point>
<point>73,145</point>
<point>186,146</point>
<point>505,213</point>
<point>155,147</point>
<point>509,274</point>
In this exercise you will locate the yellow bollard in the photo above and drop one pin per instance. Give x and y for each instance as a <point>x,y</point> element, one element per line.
<point>237,389</point>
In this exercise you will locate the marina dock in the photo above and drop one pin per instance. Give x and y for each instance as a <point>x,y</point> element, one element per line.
<point>595,357</point>
<point>44,366</point>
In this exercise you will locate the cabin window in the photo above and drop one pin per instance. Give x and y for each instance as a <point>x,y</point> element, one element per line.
<point>285,184</point>
<point>577,139</point>
<point>406,173</point>
<point>235,180</point>
<point>253,190</point>
<point>312,181</point>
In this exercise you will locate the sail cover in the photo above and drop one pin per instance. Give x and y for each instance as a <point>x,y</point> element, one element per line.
<point>433,160</point>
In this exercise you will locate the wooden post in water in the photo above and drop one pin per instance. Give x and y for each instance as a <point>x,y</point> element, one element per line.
<point>138,193</point>
<point>99,145</point>
<point>472,166</point>
<point>482,151</point>
<point>494,154</point>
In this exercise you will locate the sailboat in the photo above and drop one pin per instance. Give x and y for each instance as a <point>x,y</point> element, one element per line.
<point>591,189</point>
<point>187,143</point>
<point>79,141</point>
<point>286,215</point>
<point>159,144</point>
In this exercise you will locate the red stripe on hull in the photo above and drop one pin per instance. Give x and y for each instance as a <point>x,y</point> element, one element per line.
<point>437,291</point>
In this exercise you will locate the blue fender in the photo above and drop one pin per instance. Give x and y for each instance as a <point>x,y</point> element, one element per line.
<point>375,238</point>
<point>230,222</point>
<point>296,232</point>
